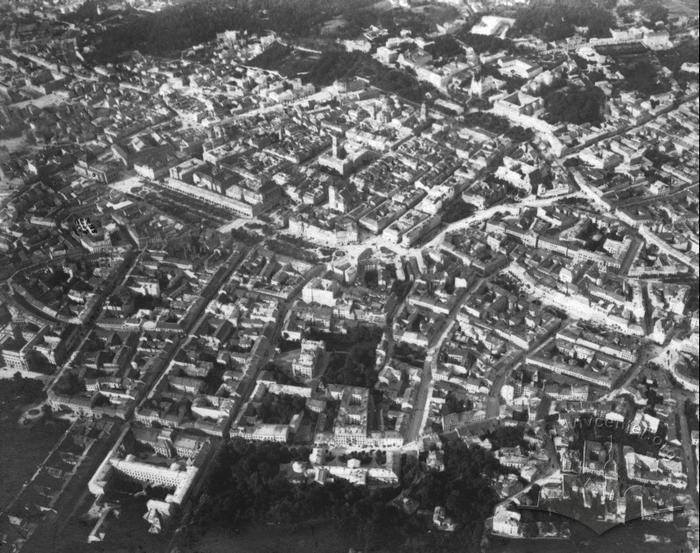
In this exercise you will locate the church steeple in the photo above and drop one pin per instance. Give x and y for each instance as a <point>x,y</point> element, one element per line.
<point>476,87</point>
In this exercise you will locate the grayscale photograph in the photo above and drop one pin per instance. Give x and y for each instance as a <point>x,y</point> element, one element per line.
<point>349,276</point>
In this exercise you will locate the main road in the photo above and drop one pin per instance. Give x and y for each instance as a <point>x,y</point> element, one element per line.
<point>271,335</point>
<point>689,460</point>
<point>491,211</point>
<point>506,365</point>
<point>421,409</point>
<point>626,128</point>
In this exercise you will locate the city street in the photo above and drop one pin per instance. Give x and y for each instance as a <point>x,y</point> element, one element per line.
<point>689,461</point>
<point>401,269</point>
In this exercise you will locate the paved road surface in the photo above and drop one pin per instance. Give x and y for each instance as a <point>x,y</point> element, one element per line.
<point>421,410</point>
<point>688,450</point>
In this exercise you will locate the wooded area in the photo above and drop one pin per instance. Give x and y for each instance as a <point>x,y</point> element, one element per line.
<point>557,20</point>
<point>576,105</point>
<point>178,27</point>
<point>18,391</point>
<point>245,486</point>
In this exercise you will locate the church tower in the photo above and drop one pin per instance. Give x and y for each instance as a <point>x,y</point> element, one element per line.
<point>476,87</point>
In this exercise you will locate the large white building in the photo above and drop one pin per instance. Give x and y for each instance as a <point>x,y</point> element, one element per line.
<point>207,196</point>
<point>262,432</point>
<point>175,466</point>
<point>517,172</point>
<point>339,234</point>
<point>517,103</point>
<point>492,25</point>
<point>307,364</point>
<point>322,291</point>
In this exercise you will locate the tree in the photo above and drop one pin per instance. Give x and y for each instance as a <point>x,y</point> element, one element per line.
<point>485,43</point>
<point>556,21</point>
<point>182,25</point>
<point>20,391</point>
<point>69,384</point>
<point>653,10</point>
<point>643,77</point>
<point>445,46</point>
<point>507,436</point>
<point>245,485</point>
<point>530,530</point>
<point>580,105</point>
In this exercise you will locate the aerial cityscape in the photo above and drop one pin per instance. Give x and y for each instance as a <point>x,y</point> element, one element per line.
<point>349,276</point>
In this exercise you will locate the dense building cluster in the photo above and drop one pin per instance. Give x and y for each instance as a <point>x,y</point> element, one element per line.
<point>196,248</point>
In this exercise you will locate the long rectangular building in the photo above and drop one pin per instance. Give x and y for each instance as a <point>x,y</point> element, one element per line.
<point>238,207</point>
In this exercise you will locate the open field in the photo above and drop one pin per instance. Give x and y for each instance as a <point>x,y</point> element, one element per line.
<point>688,8</point>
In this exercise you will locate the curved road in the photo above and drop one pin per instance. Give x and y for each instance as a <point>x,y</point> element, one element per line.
<point>489,212</point>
